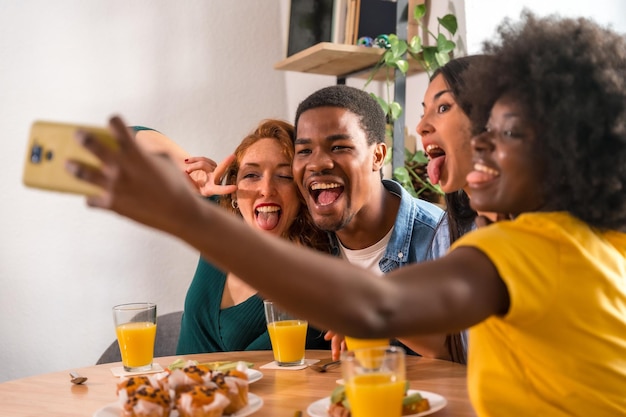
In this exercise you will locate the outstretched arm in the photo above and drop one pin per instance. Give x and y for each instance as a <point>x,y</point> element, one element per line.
<point>445,295</point>
<point>157,143</point>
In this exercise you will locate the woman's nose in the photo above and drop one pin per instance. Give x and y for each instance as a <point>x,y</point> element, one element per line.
<point>267,185</point>
<point>482,142</point>
<point>424,128</point>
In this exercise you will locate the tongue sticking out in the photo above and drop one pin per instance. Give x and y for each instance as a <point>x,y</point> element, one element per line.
<point>434,168</point>
<point>268,220</point>
<point>328,196</point>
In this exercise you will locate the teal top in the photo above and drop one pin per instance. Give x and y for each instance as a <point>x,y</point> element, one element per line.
<point>205,327</point>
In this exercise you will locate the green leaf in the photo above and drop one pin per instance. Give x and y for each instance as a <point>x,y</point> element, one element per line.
<point>395,110</point>
<point>418,157</point>
<point>415,45</point>
<point>403,65</point>
<point>381,102</point>
<point>442,58</point>
<point>443,44</point>
<point>401,174</point>
<point>429,57</point>
<point>397,49</point>
<point>449,22</point>
<point>419,11</point>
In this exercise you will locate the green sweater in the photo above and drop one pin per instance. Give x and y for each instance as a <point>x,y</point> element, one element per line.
<point>205,327</point>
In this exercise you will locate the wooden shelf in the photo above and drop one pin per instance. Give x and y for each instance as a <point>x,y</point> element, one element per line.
<point>327,58</point>
<point>340,60</point>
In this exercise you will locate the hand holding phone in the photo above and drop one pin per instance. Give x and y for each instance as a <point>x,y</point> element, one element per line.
<point>51,144</point>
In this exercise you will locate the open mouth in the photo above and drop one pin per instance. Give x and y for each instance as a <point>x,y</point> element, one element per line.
<point>481,175</point>
<point>267,217</point>
<point>326,193</point>
<point>486,170</point>
<point>437,157</point>
<point>433,151</point>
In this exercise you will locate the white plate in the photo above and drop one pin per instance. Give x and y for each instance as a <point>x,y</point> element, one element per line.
<point>437,402</point>
<point>253,375</point>
<point>254,404</point>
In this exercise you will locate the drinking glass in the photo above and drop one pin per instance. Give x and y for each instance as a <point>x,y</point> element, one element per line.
<point>375,380</point>
<point>135,326</point>
<point>353,343</point>
<point>287,335</point>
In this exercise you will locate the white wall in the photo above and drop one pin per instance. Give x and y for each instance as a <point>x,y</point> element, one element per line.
<point>483,16</point>
<point>199,71</point>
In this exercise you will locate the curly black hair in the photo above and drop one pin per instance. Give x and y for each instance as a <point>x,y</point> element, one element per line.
<point>371,115</point>
<point>569,76</point>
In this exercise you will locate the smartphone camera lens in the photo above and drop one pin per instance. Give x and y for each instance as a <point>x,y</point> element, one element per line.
<point>35,154</point>
<point>49,155</point>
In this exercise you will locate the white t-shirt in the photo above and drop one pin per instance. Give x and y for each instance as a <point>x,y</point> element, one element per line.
<point>369,257</point>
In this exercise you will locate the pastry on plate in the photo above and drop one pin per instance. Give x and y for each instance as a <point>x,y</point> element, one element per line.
<point>201,401</point>
<point>234,384</point>
<point>180,380</point>
<point>145,401</point>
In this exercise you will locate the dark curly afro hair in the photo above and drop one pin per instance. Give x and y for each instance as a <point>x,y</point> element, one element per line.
<point>569,76</point>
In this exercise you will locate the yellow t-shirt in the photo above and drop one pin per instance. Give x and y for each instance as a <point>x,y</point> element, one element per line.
<point>561,348</point>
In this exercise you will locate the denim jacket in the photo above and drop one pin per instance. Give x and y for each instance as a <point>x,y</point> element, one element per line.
<point>413,232</point>
<point>420,233</point>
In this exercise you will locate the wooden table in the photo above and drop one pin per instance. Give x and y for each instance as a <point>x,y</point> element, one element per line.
<point>283,392</point>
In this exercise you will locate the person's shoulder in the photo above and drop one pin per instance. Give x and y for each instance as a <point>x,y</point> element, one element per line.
<point>425,210</point>
<point>140,128</point>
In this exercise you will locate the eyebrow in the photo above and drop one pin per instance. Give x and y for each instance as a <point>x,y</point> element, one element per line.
<point>329,138</point>
<point>257,165</point>
<point>439,94</point>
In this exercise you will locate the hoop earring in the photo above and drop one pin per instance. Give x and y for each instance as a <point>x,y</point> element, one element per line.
<point>234,204</point>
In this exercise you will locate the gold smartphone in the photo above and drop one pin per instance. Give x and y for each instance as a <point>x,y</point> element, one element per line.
<point>51,144</point>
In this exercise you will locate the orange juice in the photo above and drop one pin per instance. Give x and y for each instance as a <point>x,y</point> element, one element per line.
<point>354,344</point>
<point>288,339</point>
<point>136,342</point>
<point>375,394</point>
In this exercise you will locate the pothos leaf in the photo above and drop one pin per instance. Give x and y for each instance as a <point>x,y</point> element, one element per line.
<point>401,174</point>
<point>449,22</point>
<point>419,11</point>
<point>429,57</point>
<point>419,157</point>
<point>395,110</point>
<point>382,103</point>
<point>442,58</point>
<point>402,65</point>
<point>415,45</point>
<point>443,44</point>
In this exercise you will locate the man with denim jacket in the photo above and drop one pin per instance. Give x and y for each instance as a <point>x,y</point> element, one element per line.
<point>339,154</point>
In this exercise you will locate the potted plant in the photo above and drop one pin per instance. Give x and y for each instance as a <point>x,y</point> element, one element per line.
<point>395,62</point>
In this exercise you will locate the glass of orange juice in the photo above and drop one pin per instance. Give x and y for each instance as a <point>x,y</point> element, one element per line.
<point>287,335</point>
<point>354,343</point>
<point>135,325</point>
<point>375,379</point>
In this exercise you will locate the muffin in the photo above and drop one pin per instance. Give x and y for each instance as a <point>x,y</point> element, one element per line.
<point>145,401</point>
<point>233,384</point>
<point>201,401</point>
<point>130,384</point>
<point>180,380</point>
